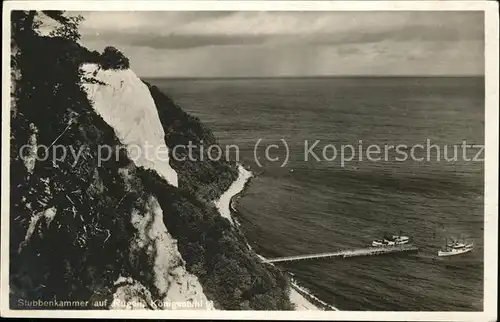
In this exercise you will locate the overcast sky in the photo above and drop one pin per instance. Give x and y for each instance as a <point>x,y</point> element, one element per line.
<point>246,44</point>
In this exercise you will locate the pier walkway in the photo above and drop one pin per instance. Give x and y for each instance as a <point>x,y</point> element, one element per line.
<point>370,251</point>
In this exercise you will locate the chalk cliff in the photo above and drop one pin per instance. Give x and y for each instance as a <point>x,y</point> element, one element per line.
<point>121,230</point>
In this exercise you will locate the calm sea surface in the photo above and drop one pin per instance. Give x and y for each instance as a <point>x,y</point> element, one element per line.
<point>314,206</point>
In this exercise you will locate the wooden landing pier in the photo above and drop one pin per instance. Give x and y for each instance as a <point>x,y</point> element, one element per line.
<point>370,251</point>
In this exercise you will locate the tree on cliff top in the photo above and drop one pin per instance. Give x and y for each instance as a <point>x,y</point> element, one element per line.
<point>24,23</point>
<point>112,58</point>
<point>68,29</point>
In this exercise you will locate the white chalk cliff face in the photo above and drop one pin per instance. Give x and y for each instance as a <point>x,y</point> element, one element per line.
<point>125,103</point>
<point>172,281</point>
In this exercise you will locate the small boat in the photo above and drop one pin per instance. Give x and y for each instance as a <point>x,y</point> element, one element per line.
<point>391,241</point>
<point>456,248</point>
<point>401,239</point>
<point>382,242</point>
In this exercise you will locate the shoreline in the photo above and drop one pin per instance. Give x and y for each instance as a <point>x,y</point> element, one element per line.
<point>223,204</point>
<point>312,298</point>
<point>301,297</point>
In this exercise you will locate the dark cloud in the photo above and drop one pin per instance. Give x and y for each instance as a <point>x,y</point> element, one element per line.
<point>424,26</point>
<point>179,41</point>
<point>406,33</point>
<point>275,43</point>
<point>183,41</point>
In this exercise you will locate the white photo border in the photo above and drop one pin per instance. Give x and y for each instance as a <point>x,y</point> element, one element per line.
<point>491,25</point>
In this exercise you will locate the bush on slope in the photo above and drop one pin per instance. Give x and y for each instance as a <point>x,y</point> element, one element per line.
<point>207,179</point>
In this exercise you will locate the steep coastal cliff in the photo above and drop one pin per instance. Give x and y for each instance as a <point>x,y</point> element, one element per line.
<point>118,228</point>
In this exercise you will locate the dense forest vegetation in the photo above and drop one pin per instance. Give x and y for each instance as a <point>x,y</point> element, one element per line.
<point>207,179</point>
<point>79,254</point>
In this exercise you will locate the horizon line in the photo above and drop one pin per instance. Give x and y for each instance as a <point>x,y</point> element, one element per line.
<point>313,76</point>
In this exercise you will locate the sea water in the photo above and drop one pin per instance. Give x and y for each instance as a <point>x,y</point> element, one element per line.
<point>307,207</point>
